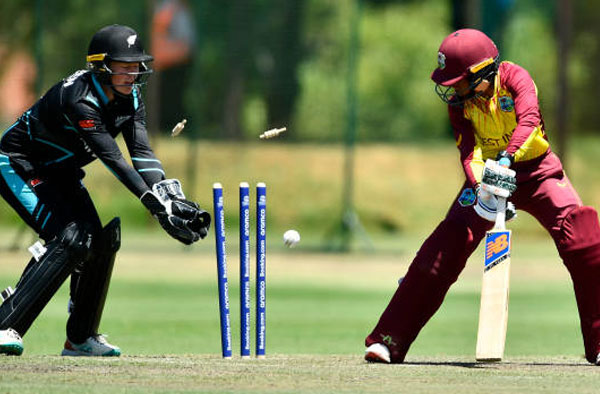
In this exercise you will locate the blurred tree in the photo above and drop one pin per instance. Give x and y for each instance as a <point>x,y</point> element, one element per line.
<point>267,62</point>
<point>255,54</point>
<point>530,41</point>
<point>16,26</point>
<point>205,95</point>
<point>281,72</point>
<point>17,64</point>
<point>239,49</point>
<point>495,16</point>
<point>65,39</point>
<point>465,13</point>
<point>564,29</point>
<point>173,42</point>
<point>585,57</point>
<point>399,46</point>
<point>384,2</point>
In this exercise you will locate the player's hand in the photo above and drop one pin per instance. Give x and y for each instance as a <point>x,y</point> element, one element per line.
<point>505,159</point>
<point>498,179</point>
<point>487,206</point>
<point>198,219</point>
<point>168,189</point>
<point>171,194</point>
<point>179,228</point>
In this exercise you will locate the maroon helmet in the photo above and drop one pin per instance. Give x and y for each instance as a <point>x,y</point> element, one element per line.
<point>466,53</point>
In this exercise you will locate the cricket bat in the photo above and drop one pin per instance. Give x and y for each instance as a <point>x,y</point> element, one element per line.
<point>493,312</point>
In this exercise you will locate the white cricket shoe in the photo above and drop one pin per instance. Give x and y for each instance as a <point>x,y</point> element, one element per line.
<point>10,342</point>
<point>378,353</point>
<point>94,346</point>
<point>598,359</point>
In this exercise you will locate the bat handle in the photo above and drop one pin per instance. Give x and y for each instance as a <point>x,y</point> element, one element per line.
<point>501,214</point>
<point>501,209</point>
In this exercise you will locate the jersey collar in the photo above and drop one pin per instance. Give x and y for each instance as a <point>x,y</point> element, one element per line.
<point>101,93</point>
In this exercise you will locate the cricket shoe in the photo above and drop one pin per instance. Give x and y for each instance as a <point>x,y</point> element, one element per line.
<point>598,359</point>
<point>378,353</point>
<point>94,346</point>
<point>10,342</point>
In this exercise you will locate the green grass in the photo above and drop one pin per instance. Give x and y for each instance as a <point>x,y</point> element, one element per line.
<point>177,318</point>
<point>162,311</point>
<point>293,374</point>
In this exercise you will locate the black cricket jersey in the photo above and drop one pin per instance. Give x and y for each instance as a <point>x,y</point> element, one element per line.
<point>73,124</point>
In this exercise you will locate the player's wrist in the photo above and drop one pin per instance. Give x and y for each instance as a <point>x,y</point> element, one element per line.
<point>505,159</point>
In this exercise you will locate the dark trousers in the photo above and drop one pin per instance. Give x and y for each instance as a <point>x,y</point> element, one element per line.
<point>48,204</point>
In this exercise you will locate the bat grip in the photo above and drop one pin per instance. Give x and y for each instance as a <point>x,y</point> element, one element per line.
<point>501,214</point>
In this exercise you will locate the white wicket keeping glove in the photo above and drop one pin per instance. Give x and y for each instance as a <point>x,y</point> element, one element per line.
<point>179,228</point>
<point>170,193</point>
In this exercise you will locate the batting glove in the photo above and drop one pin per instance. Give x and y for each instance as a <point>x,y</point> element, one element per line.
<point>498,179</point>
<point>487,206</point>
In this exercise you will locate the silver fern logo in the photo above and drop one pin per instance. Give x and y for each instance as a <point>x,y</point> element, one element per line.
<point>131,40</point>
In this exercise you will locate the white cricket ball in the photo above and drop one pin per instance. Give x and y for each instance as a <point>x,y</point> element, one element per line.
<point>291,238</point>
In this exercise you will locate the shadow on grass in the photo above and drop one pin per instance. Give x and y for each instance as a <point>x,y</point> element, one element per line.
<point>495,365</point>
<point>460,364</point>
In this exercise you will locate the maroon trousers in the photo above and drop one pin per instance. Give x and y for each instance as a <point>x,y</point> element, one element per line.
<point>545,192</point>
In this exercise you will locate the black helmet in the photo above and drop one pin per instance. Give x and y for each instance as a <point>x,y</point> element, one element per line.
<point>117,43</point>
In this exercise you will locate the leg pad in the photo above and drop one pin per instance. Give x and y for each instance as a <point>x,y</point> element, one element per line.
<point>43,278</point>
<point>89,286</point>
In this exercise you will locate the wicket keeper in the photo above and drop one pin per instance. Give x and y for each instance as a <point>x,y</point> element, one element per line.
<point>41,160</point>
<point>494,111</point>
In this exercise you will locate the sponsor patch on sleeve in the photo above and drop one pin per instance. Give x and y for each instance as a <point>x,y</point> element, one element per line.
<point>87,124</point>
<point>506,104</point>
<point>35,181</point>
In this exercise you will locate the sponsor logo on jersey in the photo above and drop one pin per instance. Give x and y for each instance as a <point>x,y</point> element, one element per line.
<point>506,103</point>
<point>71,78</point>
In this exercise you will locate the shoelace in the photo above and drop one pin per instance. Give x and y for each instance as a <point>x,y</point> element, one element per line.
<point>100,338</point>
<point>13,334</point>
